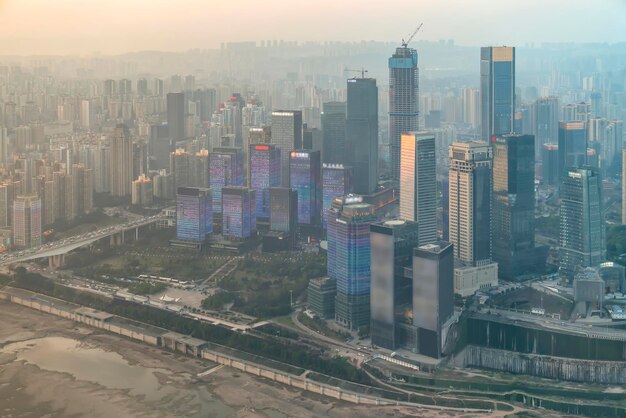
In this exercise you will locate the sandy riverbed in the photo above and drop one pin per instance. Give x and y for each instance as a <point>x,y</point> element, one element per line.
<point>57,368</point>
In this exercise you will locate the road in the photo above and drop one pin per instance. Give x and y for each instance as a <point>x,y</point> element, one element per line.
<point>71,243</point>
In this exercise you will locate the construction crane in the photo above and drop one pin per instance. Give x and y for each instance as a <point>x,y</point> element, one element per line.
<point>362,71</point>
<point>406,43</point>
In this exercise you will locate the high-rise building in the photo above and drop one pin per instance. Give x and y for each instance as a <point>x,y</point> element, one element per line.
<point>238,213</point>
<point>433,294</point>
<point>514,206</point>
<point>194,214</point>
<point>261,135</point>
<point>550,175</point>
<point>471,107</point>
<point>572,146</point>
<point>392,244</point>
<point>348,261</point>
<point>226,169</point>
<point>582,236</point>
<point>180,167</point>
<point>497,91</point>
<point>623,186</point>
<point>82,185</point>
<point>26,221</point>
<point>336,182</point>
<point>176,115</point>
<point>470,201</point>
<point>142,194</point>
<point>7,196</point>
<point>283,209</point>
<point>334,133</point>
<point>160,146</point>
<point>418,183</point>
<point>579,112</point>
<point>263,173</point>
<point>606,138</point>
<point>403,101</point>
<point>362,133</point>
<point>287,134</point>
<point>304,178</point>
<point>199,169</point>
<point>121,173</point>
<point>545,122</point>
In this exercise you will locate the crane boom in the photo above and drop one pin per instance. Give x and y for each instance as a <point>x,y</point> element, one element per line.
<point>362,71</point>
<point>410,38</point>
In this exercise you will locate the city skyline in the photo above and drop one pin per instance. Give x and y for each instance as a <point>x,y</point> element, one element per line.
<point>40,27</point>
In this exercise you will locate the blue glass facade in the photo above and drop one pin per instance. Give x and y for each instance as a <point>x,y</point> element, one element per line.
<point>497,91</point>
<point>225,169</point>
<point>304,178</point>
<point>348,261</point>
<point>264,172</point>
<point>238,212</point>
<point>336,182</point>
<point>194,214</point>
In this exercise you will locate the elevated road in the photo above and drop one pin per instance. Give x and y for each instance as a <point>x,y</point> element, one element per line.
<point>59,248</point>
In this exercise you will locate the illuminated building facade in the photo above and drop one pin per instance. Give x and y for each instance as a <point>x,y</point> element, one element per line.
<point>194,214</point>
<point>225,169</point>
<point>238,213</point>
<point>304,178</point>
<point>264,172</point>
<point>336,182</point>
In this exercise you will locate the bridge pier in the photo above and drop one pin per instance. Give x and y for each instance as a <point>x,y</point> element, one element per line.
<point>137,234</point>
<point>116,239</point>
<point>56,261</point>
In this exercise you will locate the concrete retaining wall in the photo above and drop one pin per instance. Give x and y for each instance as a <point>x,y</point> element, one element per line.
<point>605,372</point>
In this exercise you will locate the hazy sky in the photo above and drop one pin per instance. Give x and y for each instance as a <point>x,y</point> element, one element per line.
<point>116,26</point>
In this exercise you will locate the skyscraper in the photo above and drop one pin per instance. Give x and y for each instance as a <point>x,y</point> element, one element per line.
<point>304,178</point>
<point>582,236</point>
<point>572,145</point>
<point>226,169</point>
<point>142,194</point>
<point>606,138</point>
<point>283,209</point>
<point>263,173</point>
<point>545,122</point>
<point>497,91</point>
<point>418,183</point>
<point>362,133</point>
<point>26,221</point>
<point>403,101</point>
<point>287,136</point>
<point>194,214</point>
<point>349,261</point>
<point>623,186</point>
<point>391,289</point>
<point>238,213</point>
<point>514,206</point>
<point>433,294</point>
<point>334,132</point>
<point>470,201</point>
<point>336,182</point>
<point>176,115</point>
<point>121,173</point>
<point>550,175</point>
<point>180,164</point>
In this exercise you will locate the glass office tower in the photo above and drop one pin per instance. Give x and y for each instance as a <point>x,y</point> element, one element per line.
<point>348,261</point>
<point>194,214</point>
<point>362,133</point>
<point>582,236</point>
<point>264,172</point>
<point>336,182</point>
<point>497,91</point>
<point>572,144</point>
<point>225,169</point>
<point>403,101</point>
<point>304,178</point>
